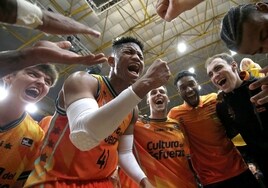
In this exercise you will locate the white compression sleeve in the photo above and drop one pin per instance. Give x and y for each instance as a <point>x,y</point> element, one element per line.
<point>90,124</point>
<point>28,14</point>
<point>127,160</point>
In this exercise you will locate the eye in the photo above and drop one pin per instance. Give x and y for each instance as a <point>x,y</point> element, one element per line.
<point>162,91</point>
<point>153,92</point>
<point>182,88</point>
<point>210,74</point>
<point>140,56</point>
<point>32,74</point>
<point>48,82</point>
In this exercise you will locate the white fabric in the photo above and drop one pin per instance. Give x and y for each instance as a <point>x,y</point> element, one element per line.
<point>127,160</point>
<point>90,124</point>
<point>28,14</point>
<point>76,114</point>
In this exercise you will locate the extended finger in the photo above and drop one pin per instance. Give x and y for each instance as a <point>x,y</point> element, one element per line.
<point>93,32</point>
<point>264,70</point>
<point>260,98</point>
<point>259,83</point>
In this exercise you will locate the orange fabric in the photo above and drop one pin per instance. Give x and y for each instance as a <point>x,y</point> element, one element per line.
<point>160,147</point>
<point>19,147</point>
<point>61,160</point>
<point>126,181</point>
<point>214,155</point>
<point>76,184</point>
<point>45,122</point>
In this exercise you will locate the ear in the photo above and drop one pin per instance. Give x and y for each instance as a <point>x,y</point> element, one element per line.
<point>147,100</point>
<point>234,65</point>
<point>111,61</point>
<point>262,7</point>
<point>8,79</point>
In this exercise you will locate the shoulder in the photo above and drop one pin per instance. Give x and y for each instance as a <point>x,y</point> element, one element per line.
<point>175,111</point>
<point>80,81</point>
<point>32,129</point>
<point>80,77</point>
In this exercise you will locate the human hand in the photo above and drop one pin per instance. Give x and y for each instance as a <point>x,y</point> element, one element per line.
<point>56,52</point>
<point>170,9</point>
<point>261,97</point>
<point>55,23</point>
<point>115,179</point>
<point>156,75</point>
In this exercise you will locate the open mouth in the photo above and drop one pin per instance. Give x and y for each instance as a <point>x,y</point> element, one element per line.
<point>159,101</point>
<point>222,82</point>
<point>32,92</point>
<point>134,68</point>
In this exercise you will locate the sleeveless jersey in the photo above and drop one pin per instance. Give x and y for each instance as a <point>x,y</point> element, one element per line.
<point>214,156</point>
<point>19,147</point>
<point>61,160</point>
<point>161,149</point>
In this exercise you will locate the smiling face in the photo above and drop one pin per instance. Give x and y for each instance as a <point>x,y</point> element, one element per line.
<point>255,31</point>
<point>254,37</point>
<point>29,85</point>
<point>158,101</point>
<point>188,89</point>
<point>128,62</point>
<point>223,75</point>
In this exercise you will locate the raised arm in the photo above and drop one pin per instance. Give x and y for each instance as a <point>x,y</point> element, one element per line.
<point>44,52</point>
<point>170,9</point>
<point>26,14</point>
<point>90,124</point>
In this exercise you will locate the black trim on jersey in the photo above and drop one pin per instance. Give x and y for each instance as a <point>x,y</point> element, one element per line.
<point>59,109</point>
<point>110,87</point>
<point>24,175</point>
<point>13,124</point>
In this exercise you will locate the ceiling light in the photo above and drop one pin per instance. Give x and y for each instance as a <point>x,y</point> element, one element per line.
<point>192,70</point>
<point>182,47</point>
<point>233,53</point>
<point>3,93</point>
<point>31,108</point>
<point>199,87</point>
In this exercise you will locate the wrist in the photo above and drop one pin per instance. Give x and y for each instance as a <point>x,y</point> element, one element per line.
<point>142,87</point>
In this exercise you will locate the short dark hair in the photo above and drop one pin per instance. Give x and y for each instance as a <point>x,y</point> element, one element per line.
<point>224,56</point>
<point>182,74</point>
<point>49,70</point>
<point>232,24</point>
<point>122,40</point>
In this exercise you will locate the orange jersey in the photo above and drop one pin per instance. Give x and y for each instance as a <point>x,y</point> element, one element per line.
<point>214,156</point>
<point>60,160</point>
<point>161,149</point>
<point>45,122</point>
<point>19,147</point>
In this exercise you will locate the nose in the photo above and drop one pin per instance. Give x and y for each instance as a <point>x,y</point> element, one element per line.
<point>188,88</point>
<point>41,81</point>
<point>214,75</point>
<point>136,56</point>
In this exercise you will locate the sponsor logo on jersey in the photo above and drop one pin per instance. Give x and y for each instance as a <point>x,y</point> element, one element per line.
<point>27,142</point>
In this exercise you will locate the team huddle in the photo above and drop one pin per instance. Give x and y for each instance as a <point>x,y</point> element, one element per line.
<point>97,137</point>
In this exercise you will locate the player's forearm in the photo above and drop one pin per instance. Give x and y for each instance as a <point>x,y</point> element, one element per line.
<point>90,124</point>
<point>55,23</point>
<point>11,61</point>
<point>127,160</point>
